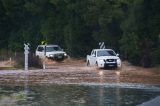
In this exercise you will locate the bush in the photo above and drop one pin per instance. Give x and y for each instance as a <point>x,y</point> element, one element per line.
<point>156,57</point>
<point>33,61</point>
<point>19,59</point>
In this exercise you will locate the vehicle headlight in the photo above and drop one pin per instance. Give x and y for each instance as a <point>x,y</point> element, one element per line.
<point>118,61</point>
<point>101,60</point>
<point>65,54</point>
<point>51,55</point>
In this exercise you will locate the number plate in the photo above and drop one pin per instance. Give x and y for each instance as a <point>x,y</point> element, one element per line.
<point>59,57</point>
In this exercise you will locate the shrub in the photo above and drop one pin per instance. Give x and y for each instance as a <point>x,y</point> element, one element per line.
<point>156,57</point>
<point>33,61</point>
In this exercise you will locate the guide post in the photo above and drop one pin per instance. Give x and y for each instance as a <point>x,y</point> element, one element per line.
<point>26,52</point>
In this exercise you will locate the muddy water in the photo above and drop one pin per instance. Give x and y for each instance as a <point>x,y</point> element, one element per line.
<point>77,95</point>
<point>80,86</point>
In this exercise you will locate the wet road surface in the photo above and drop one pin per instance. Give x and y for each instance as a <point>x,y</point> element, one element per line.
<point>76,72</point>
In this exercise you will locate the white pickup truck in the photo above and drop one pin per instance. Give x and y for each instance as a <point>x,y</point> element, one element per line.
<point>103,58</point>
<point>51,51</point>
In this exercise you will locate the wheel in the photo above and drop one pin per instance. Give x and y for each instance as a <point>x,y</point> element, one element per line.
<point>119,68</point>
<point>96,63</point>
<point>88,63</point>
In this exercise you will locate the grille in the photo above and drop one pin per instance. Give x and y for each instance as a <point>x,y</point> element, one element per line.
<point>60,54</point>
<point>111,60</point>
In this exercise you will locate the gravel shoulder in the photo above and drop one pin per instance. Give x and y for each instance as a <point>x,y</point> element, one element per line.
<point>76,72</point>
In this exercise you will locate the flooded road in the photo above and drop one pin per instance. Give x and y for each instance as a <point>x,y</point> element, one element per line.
<point>76,72</point>
<point>72,83</point>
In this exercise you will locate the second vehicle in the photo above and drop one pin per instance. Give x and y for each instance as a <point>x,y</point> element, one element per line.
<point>51,51</point>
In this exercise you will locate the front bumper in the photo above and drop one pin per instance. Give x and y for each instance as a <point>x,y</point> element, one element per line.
<point>58,56</point>
<point>104,64</point>
<point>110,65</point>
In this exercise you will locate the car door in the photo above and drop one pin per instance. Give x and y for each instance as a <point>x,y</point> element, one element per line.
<point>40,51</point>
<point>93,57</point>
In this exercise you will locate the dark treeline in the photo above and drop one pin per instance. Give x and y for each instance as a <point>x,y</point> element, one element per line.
<point>131,27</point>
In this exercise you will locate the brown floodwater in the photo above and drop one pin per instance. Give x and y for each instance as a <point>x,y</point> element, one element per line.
<point>72,83</point>
<point>76,72</point>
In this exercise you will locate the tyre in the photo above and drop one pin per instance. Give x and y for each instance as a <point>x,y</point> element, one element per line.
<point>96,64</point>
<point>88,63</point>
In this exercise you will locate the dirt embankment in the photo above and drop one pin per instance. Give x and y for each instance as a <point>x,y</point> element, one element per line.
<point>75,72</point>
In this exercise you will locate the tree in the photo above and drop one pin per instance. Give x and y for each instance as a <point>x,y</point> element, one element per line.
<point>140,24</point>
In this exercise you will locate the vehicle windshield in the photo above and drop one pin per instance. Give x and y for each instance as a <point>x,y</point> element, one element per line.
<point>53,48</point>
<point>105,53</point>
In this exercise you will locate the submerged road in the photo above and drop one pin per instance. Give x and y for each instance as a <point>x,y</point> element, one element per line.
<point>76,72</point>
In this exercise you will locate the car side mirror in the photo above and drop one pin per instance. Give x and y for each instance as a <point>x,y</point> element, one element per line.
<point>117,55</point>
<point>94,55</point>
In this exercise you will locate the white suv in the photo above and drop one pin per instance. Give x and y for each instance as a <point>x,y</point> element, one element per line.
<point>103,58</point>
<point>51,51</point>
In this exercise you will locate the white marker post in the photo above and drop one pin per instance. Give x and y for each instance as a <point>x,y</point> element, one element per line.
<point>44,58</point>
<point>26,52</point>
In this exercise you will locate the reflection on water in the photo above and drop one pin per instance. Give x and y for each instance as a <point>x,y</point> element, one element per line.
<point>75,95</point>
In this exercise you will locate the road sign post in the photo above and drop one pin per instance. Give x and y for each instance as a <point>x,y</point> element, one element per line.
<point>101,45</point>
<point>26,52</point>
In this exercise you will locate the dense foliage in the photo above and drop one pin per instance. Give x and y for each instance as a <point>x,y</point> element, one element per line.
<point>131,27</point>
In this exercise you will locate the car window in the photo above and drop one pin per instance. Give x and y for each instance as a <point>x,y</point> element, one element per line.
<point>95,53</point>
<point>55,48</point>
<point>40,49</point>
<point>106,53</point>
<point>92,52</point>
